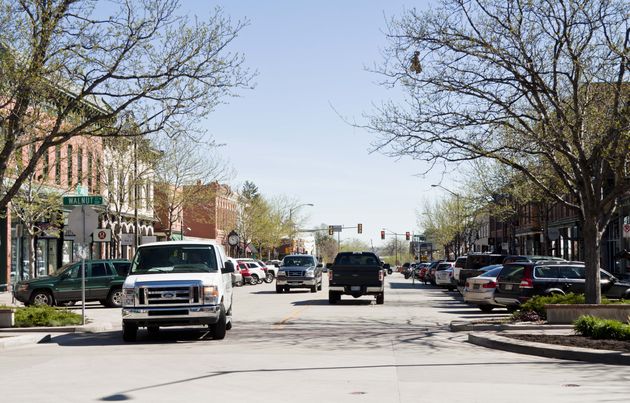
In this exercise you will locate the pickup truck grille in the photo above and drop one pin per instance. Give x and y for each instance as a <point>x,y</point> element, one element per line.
<point>295,273</point>
<point>169,295</point>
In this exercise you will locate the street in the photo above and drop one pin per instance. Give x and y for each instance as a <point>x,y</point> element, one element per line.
<point>297,347</point>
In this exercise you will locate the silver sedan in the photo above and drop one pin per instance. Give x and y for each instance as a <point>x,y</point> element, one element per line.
<point>480,290</point>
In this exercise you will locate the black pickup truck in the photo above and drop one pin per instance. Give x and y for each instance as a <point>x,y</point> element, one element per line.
<point>356,274</point>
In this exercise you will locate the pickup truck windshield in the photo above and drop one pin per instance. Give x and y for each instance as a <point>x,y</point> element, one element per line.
<point>175,259</point>
<point>298,261</point>
<point>356,260</point>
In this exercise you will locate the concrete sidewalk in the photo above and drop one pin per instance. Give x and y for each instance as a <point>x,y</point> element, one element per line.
<point>98,319</point>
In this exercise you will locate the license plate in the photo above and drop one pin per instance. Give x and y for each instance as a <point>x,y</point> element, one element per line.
<point>355,288</point>
<point>508,286</point>
<point>475,286</point>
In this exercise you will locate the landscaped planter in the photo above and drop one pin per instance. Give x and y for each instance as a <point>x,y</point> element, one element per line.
<point>565,313</point>
<point>7,317</point>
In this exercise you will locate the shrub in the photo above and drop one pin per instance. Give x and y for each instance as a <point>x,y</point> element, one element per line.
<point>526,316</point>
<point>537,303</point>
<point>42,315</point>
<point>597,328</point>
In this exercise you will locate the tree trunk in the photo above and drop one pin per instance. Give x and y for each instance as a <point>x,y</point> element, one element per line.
<point>592,236</point>
<point>31,256</point>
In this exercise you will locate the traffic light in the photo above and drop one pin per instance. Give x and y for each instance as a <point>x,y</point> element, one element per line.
<point>360,228</point>
<point>330,230</point>
<point>382,234</point>
<point>407,235</point>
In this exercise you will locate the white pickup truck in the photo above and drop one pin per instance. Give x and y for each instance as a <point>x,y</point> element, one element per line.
<point>178,283</point>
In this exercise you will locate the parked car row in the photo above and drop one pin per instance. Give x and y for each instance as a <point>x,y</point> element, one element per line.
<point>511,284</point>
<point>104,279</point>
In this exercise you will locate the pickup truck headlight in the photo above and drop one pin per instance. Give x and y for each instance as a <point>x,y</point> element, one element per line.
<point>309,273</point>
<point>128,297</point>
<point>282,273</point>
<point>211,295</point>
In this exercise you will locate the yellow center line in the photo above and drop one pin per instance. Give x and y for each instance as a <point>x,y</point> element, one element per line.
<point>294,315</point>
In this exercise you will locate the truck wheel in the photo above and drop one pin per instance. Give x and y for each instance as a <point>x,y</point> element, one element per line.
<point>333,297</point>
<point>380,298</point>
<point>114,299</point>
<point>269,277</point>
<point>129,332</point>
<point>314,288</point>
<point>319,287</point>
<point>279,289</point>
<point>41,297</point>
<point>218,329</point>
<point>486,308</point>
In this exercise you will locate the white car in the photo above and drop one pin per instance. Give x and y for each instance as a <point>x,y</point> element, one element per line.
<point>251,271</point>
<point>444,275</point>
<point>480,290</point>
<point>237,276</point>
<point>178,283</point>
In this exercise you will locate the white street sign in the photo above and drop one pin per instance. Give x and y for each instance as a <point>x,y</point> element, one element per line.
<point>148,239</point>
<point>102,235</point>
<point>77,223</point>
<point>126,239</point>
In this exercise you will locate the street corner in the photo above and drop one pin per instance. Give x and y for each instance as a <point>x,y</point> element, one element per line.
<point>8,341</point>
<point>502,341</point>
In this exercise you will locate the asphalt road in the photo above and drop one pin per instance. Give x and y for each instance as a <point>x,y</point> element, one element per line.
<point>296,348</point>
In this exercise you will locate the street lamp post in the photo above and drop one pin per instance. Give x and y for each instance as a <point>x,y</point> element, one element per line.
<point>291,216</point>
<point>457,197</point>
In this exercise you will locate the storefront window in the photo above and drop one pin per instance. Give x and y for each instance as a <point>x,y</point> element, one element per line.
<point>66,256</point>
<point>41,257</point>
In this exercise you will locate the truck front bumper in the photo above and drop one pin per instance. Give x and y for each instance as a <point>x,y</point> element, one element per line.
<point>296,282</point>
<point>172,316</point>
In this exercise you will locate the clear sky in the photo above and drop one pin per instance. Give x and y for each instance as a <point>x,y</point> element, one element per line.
<point>285,135</point>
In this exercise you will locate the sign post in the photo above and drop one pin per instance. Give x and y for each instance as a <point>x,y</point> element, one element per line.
<point>83,221</point>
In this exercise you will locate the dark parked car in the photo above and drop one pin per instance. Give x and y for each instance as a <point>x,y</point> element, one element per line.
<point>103,283</point>
<point>520,281</point>
<point>474,262</point>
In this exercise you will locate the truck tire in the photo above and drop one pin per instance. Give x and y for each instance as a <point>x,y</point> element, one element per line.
<point>269,278</point>
<point>314,288</point>
<point>319,286</point>
<point>380,298</point>
<point>153,330</point>
<point>129,332</point>
<point>114,299</point>
<point>279,289</point>
<point>218,329</point>
<point>333,297</point>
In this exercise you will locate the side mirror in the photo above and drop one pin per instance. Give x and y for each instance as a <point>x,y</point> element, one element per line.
<point>229,267</point>
<point>320,265</point>
<point>329,265</point>
<point>386,266</point>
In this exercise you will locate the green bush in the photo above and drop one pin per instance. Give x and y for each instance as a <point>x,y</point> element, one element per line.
<point>42,315</point>
<point>537,303</point>
<point>597,328</point>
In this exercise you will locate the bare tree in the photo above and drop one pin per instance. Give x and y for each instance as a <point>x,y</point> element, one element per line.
<point>526,83</point>
<point>182,176</point>
<point>39,209</point>
<point>67,70</point>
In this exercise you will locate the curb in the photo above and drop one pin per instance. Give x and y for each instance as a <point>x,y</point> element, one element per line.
<point>16,341</point>
<point>498,342</point>
<point>59,329</point>
<point>472,327</point>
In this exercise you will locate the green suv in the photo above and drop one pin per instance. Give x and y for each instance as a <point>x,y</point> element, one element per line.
<point>103,283</point>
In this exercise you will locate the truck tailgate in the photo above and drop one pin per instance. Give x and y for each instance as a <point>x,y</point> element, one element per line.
<point>356,275</point>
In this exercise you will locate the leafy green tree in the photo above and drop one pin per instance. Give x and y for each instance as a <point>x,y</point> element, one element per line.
<point>526,83</point>
<point>325,244</point>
